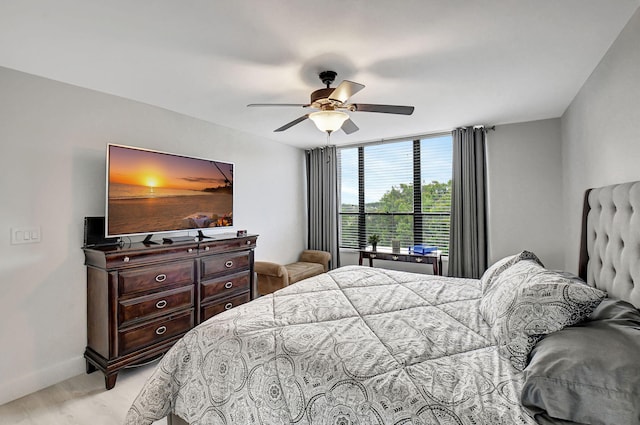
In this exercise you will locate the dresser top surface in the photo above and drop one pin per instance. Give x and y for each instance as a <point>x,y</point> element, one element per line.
<point>123,248</point>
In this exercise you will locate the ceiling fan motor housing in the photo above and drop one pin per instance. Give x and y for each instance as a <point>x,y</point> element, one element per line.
<point>320,98</point>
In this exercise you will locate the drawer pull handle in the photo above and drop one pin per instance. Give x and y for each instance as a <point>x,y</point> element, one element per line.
<point>161,304</point>
<point>206,248</point>
<point>228,285</point>
<point>395,258</point>
<point>161,330</point>
<point>248,242</point>
<point>228,264</point>
<point>126,259</point>
<point>161,277</point>
<point>227,306</point>
<point>190,250</point>
<point>372,256</point>
<point>418,260</point>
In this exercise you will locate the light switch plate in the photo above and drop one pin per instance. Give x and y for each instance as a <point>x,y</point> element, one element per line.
<point>22,235</point>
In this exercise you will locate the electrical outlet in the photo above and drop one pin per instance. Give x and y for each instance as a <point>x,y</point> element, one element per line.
<point>21,235</point>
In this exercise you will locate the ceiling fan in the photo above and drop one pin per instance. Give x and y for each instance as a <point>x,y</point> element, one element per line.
<point>331,104</point>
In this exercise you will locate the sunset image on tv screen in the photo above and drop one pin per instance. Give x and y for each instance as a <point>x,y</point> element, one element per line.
<point>152,191</point>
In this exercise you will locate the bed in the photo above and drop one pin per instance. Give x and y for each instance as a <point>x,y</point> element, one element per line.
<point>360,345</point>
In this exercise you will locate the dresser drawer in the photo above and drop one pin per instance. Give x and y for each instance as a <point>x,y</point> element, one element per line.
<point>215,246</point>
<point>135,257</point>
<point>225,286</point>
<point>223,263</point>
<point>153,277</point>
<point>164,328</point>
<point>159,303</point>
<point>212,309</point>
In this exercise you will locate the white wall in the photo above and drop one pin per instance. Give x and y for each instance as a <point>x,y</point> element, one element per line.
<point>601,131</point>
<point>524,183</point>
<point>52,159</point>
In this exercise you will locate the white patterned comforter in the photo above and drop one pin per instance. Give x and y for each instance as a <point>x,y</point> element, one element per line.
<point>357,345</point>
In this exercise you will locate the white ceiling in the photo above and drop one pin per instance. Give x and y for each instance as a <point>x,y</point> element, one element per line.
<point>459,62</point>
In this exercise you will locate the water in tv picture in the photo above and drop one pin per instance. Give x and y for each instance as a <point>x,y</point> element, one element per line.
<point>151,192</point>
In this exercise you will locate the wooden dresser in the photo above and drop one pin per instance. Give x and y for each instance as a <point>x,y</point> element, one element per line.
<point>142,298</point>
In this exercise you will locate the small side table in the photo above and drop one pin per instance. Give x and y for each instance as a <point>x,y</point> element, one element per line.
<point>434,258</point>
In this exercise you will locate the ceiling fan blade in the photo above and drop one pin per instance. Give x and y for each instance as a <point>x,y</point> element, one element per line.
<point>385,109</point>
<point>299,105</point>
<point>349,127</point>
<point>345,90</point>
<point>292,123</point>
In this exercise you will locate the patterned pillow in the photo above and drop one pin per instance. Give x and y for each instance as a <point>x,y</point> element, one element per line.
<point>526,302</point>
<point>490,275</point>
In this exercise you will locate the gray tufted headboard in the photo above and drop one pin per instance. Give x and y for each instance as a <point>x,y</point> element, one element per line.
<point>610,247</point>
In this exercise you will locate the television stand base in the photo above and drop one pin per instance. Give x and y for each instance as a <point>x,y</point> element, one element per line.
<point>147,241</point>
<point>179,239</point>
<point>201,236</point>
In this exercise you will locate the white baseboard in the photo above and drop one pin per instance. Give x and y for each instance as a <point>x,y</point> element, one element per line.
<point>39,379</point>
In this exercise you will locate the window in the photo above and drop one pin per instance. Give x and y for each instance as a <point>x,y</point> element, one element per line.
<point>397,190</point>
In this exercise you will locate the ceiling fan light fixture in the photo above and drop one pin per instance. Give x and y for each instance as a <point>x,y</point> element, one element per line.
<point>328,121</point>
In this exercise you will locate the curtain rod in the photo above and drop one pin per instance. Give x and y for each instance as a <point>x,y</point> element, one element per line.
<point>406,138</point>
<point>492,128</point>
<point>395,139</point>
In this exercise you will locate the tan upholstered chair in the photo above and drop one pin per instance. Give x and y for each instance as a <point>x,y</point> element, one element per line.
<point>273,276</point>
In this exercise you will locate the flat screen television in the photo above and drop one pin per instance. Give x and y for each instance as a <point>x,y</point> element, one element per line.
<point>151,192</point>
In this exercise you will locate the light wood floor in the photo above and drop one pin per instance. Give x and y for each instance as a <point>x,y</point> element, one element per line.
<point>81,400</point>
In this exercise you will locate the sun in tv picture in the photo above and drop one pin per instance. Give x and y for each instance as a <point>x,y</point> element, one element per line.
<point>150,191</point>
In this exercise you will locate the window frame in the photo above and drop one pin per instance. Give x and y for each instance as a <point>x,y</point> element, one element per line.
<point>419,216</point>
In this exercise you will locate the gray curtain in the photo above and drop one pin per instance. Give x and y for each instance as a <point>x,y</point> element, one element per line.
<point>468,234</point>
<point>322,205</point>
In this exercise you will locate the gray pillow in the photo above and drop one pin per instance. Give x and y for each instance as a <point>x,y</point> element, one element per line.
<point>589,372</point>
<point>490,275</point>
<point>527,301</point>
